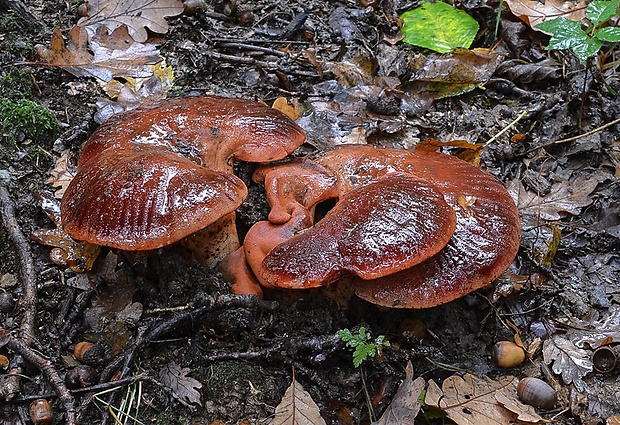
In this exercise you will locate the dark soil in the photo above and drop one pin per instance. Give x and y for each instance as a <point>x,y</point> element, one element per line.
<point>243,351</point>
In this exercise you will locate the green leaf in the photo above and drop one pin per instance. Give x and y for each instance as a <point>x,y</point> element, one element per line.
<point>439,27</point>
<point>599,12</point>
<point>568,34</point>
<point>610,34</point>
<point>587,49</point>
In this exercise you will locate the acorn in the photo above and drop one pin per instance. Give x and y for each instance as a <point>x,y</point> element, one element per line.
<point>4,362</point>
<point>81,376</point>
<point>537,393</point>
<point>191,7</point>
<point>82,10</point>
<point>88,353</point>
<point>507,354</point>
<point>41,412</point>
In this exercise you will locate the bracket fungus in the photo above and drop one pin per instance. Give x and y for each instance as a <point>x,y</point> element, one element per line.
<point>417,229</point>
<point>158,174</point>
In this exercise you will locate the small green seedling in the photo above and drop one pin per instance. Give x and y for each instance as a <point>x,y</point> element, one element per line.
<point>363,344</point>
<point>567,34</point>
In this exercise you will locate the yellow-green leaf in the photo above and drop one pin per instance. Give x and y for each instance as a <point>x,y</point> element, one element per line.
<point>439,27</point>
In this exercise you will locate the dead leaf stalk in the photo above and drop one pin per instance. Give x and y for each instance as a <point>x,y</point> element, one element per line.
<point>580,136</point>
<point>508,127</point>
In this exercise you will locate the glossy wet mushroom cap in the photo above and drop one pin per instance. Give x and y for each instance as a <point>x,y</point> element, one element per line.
<point>374,230</point>
<point>157,174</point>
<point>484,243</point>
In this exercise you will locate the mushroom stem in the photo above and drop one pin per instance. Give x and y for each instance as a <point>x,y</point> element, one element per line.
<point>211,244</point>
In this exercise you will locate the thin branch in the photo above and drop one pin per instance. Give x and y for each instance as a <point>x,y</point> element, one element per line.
<point>27,270</point>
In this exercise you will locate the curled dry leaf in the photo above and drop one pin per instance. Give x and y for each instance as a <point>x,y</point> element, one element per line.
<point>568,360</point>
<point>455,73</point>
<point>137,15</point>
<point>185,388</point>
<point>61,175</point>
<point>533,12</point>
<point>405,404</point>
<point>297,408</point>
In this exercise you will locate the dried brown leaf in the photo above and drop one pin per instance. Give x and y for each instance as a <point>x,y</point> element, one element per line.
<point>184,387</point>
<point>534,12</point>
<point>61,176</point>
<point>137,15</point>
<point>67,252</point>
<point>109,59</point>
<point>470,400</point>
<point>455,73</point>
<point>405,404</point>
<point>297,408</point>
<point>568,360</point>
<point>566,197</point>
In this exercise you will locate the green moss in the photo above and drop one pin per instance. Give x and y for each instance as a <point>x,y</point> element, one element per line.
<point>25,119</point>
<point>226,376</point>
<point>16,85</point>
<point>12,21</point>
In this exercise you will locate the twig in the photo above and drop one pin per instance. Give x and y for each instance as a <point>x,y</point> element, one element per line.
<point>27,270</point>
<point>580,136</point>
<point>251,61</point>
<point>508,127</point>
<point>245,46</point>
<point>19,346</point>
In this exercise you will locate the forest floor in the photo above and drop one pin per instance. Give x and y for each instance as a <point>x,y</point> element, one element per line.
<point>345,67</point>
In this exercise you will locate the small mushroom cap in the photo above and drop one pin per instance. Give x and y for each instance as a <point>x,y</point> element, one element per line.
<point>295,183</point>
<point>144,200</point>
<point>377,229</point>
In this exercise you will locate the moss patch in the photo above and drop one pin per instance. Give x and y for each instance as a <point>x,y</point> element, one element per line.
<point>25,119</point>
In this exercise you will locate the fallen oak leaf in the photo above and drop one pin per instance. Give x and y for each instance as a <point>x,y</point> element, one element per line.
<point>185,388</point>
<point>597,332</point>
<point>137,15</point>
<point>469,400</point>
<point>297,408</point>
<point>61,176</point>
<point>73,56</point>
<point>67,252</point>
<point>406,404</point>
<point>568,360</point>
<point>564,197</point>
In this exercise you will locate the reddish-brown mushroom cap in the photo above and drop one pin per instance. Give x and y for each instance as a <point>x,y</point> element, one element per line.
<point>374,230</point>
<point>484,243</point>
<point>159,173</point>
<point>139,201</point>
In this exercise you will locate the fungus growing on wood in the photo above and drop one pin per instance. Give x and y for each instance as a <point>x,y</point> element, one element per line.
<point>484,243</point>
<point>157,174</point>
